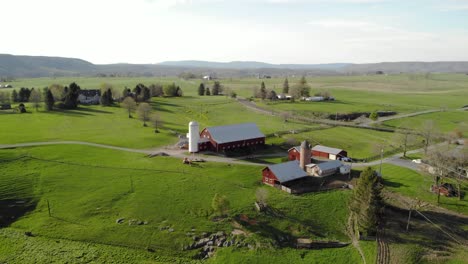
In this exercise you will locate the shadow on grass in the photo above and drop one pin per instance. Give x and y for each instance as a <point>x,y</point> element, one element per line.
<point>393,184</point>
<point>12,209</point>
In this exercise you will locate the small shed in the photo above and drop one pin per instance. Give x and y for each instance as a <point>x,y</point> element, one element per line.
<point>284,172</point>
<point>320,151</point>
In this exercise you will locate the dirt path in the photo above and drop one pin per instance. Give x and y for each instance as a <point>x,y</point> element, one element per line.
<point>383,250</point>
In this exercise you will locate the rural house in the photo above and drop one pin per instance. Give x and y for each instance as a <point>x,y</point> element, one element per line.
<point>89,96</point>
<point>224,138</point>
<point>294,153</point>
<point>281,173</point>
<point>324,152</point>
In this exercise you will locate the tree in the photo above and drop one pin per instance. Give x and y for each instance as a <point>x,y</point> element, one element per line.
<point>374,116</point>
<point>14,96</point>
<point>179,92</point>
<point>216,88</point>
<point>442,164</point>
<point>428,131</point>
<point>107,98</point>
<point>156,90</point>
<point>146,94</point>
<point>207,91</point>
<point>271,95</point>
<point>138,91</point>
<point>129,104</point>
<point>57,91</point>
<point>263,92</point>
<point>286,86</point>
<point>126,92</point>
<point>48,99</point>
<point>201,89</point>
<point>220,204</point>
<point>71,98</point>
<point>35,98</point>
<point>170,90</point>
<point>233,94</point>
<point>23,95</point>
<point>156,122</point>
<point>366,202</point>
<point>404,138</point>
<point>144,112</point>
<point>302,89</point>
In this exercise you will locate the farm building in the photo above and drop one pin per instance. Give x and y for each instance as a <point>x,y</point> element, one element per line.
<point>5,106</point>
<point>294,153</point>
<point>320,151</point>
<point>224,138</point>
<point>281,173</point>
<point>324,169</point>
<point>89,96</point>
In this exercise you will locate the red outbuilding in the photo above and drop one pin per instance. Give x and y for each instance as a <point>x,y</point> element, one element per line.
<point>281,173</point>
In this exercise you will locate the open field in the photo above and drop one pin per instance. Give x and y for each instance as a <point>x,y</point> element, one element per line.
<point>444,121</point>
<point>87,193</point>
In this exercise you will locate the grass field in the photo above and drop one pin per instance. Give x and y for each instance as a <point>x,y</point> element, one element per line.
<point>111,125</point>
<point>444,121</point>
<point>87,193</point>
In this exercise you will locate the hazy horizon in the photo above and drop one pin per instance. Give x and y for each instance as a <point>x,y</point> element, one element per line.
<point>270,31</point>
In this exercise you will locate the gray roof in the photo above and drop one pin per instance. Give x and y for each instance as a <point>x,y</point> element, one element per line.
<point>297,148</point>
<point>334,164</point>
<point>238,132</point>
<point>288,171</point>
<point>325,149</point>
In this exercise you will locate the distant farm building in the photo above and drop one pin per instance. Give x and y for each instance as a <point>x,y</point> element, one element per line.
<point>281,173</point>
<point>324,152</point>
<point>294,153</point>
<point>207,78</point>
<point>89,96</point>
<point>224,138</point>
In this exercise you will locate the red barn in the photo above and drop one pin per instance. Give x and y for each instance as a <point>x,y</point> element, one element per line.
<point>328,153</point>
<point>284,172</point>
<point>231,137</point>
<point>294,153</point>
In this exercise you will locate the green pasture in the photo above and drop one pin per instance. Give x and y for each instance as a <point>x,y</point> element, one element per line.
<point>89,188</point>
<point>444,121</point>
<point>111,125</point>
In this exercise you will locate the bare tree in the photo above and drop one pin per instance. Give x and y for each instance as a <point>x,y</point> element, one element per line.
<point>429,132</point>
<point>129,104</point>
<point>262,197</point>
<point>144,112</point>
<point>285,116</point>
<point>442,165</point>
<point>35,98</point>
<point>404,138</point>
<point>156,122</point>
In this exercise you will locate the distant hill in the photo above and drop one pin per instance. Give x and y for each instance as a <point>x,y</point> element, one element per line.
<point>409,67</point>
<point>251,65</point>
<point>41,66</point>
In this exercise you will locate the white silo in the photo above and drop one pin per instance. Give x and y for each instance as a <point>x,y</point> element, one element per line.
<point>193,136</point>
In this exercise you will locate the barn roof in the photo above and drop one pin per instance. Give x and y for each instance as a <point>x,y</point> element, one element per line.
<point>238,132</point>
<point>287,171</point>
<point>297,148</point>
<point>334,164</point>
<point>325,149</point>
<point>90,92</point>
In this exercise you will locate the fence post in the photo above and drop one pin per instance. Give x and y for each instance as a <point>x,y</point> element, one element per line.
<point>48,207</point>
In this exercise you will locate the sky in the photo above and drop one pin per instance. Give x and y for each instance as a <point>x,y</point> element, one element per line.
<point>273,31</point>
